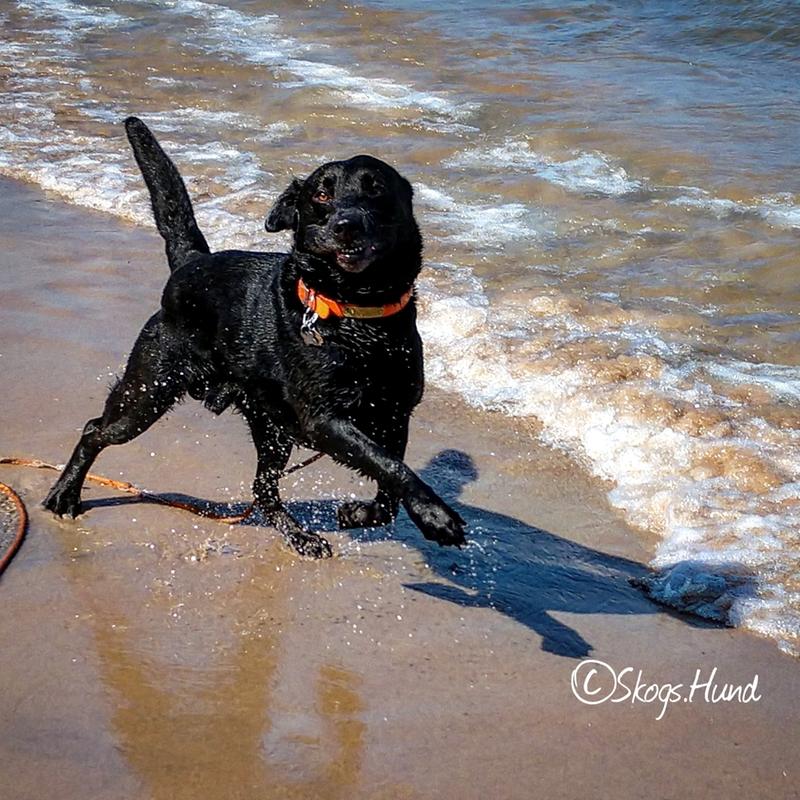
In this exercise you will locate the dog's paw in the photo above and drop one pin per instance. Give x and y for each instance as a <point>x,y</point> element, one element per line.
<point>437,521</point>
<point>309,544</point>
<point>63,502</point>
<point>303,542</point>
<point>360,514</point>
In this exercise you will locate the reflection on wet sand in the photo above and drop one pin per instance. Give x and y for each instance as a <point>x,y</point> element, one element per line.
<point>190,733</point>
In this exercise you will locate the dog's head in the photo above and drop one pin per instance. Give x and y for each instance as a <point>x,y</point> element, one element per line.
<point>355,216</point>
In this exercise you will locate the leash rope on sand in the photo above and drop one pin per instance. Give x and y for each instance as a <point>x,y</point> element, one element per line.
<point>22,526</point>
<point>121,486</point>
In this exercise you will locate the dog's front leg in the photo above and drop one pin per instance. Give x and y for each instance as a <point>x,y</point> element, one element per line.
<point>348,445</point>
<point>392,436</point>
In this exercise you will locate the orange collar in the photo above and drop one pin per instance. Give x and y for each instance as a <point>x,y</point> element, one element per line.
<point>323,306</point>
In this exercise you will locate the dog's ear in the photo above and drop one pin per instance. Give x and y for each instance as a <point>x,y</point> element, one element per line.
<point>283,212</point>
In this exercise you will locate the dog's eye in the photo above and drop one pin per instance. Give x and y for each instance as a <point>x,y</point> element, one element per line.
<point>321,196</point>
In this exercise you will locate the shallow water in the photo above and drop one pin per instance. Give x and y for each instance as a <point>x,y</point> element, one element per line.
<point>608,191</point>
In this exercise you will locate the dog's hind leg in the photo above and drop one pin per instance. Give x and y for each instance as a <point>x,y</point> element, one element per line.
<point>151,385</point>
<point>274,448</point>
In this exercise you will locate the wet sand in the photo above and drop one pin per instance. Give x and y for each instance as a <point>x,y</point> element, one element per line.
<point>145,653</point>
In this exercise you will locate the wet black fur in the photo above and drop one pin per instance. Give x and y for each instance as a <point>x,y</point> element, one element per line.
<point>228,333</point>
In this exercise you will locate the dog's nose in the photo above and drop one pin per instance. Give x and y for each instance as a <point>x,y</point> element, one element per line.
<point>347,225</point>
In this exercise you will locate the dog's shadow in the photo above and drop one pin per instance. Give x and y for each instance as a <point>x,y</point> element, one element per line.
<point>520,571</point>
<point>508,565</point>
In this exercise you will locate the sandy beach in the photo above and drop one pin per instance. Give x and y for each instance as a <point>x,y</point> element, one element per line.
<point>146,653</point>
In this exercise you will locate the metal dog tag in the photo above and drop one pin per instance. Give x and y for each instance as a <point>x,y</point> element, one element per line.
<point>308,333</point>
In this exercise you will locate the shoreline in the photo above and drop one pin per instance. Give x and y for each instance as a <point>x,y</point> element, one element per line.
<point>148,653</point>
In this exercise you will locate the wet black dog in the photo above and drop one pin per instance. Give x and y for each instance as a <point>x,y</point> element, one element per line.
<point>318,347</point>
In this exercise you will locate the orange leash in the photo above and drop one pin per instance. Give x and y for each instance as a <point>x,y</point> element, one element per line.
<point>22,526</point>
<point>121,486</point>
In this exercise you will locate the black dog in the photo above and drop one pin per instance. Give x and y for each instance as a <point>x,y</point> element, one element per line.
<point>318,347</point>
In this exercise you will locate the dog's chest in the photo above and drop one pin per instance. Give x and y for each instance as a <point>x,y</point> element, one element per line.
<point>370,365</point>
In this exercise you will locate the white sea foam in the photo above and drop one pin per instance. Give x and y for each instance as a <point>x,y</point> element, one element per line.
<point>175,119</point>
<point>100,112</point>
<point>489,224</point>
<point>587,173</point>
<point>781,210</point>
<point>371,92</point>
<point>780,380</point>
<point>74,18</point>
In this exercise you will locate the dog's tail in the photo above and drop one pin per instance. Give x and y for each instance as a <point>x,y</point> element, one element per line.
<point>172,208</point>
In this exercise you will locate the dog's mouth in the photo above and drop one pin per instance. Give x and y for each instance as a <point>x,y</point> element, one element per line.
<point>355,257</point>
